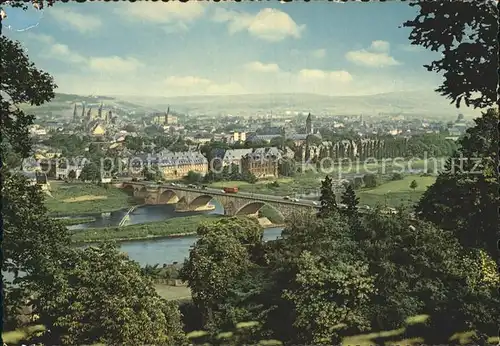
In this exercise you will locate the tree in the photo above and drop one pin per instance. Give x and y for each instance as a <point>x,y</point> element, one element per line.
<point>72,175</point>
<point>215,260</point>
<point>36,90</point>
<point>152,173</point>
<point>464,198</point>
<point>90,172</point>
<point>323,283</point>
<point>413,185</point>
<point>327,198</point>
<point>465,34</point>
<point>98,295</point>
<point>193,177</point>
<point>370,180</point>
<point>286,167</point>
<point>31,240</point>
<point>420,267</point>
<point>350,200</point>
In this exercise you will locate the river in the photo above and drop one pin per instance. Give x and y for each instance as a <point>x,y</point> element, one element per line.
<point>165,250</point>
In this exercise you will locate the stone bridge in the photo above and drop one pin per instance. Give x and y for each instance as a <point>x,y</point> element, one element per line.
<point>189,199</point>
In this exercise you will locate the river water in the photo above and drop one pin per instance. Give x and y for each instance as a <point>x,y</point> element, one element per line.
<point>165,250</point>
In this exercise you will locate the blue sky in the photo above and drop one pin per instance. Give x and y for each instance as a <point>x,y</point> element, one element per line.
<point>172,49</point>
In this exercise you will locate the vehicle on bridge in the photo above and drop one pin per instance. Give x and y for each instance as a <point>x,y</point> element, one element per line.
<point>230,189</point>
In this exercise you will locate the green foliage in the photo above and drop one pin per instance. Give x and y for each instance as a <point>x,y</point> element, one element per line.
<point>152,173</point>
<point>286,168</point>
<point>421,268</point>
<point>194,177</point>
<point>230,173</point>
<point>370,180</point>
<point>72,175</point>
<point>98,295</point>
<point>350,200</point>
<point>413,184</point>
<point>31,240</point>
<point>327,199</point>
<point>464,198</point>
<point>465,34</point>
<point>90,172</point>
<point>357,182</point>
<point>397,176</point>
<point>329,292</point>
<point>36,88</point>
<point>70,145</point>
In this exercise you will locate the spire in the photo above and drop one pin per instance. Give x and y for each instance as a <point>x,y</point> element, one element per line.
<point>309,126</point>
<point>166,116</point>
<point>74,113</point>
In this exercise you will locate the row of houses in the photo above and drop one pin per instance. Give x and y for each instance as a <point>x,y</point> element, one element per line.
<point>262,162</point>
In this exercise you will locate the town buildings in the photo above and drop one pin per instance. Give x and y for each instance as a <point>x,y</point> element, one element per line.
<point>262,162</point>
<point>173,165</point>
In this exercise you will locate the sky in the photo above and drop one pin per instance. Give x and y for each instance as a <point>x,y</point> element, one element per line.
<point>180,49</point>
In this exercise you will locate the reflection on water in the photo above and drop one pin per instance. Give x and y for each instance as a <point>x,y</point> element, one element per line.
<point>170,250</point>
<point>166,250</point>
<point>143,214</point>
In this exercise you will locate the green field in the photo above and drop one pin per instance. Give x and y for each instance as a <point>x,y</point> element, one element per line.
<point>173,292</point>
<point>161,229</point>
<point>81,198</point>
<point>395,193</point>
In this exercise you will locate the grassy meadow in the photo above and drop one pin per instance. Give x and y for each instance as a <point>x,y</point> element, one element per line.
<point>160,229</point>
<point>395,193</point>
<point>82,198</point>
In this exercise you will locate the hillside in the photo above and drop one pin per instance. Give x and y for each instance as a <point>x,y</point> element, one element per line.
<point>410,103</point>
<point>428,104</point>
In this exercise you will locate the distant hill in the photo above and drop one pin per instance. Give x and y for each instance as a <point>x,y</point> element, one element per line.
<point>419,103</point>
<point>62,105</point>
<point>410,103</point>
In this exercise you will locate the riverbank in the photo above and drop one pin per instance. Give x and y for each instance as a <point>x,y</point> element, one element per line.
<point>74,220</point>
<point>82,198</point>
<point>172,228</point>
<point>175,227</point>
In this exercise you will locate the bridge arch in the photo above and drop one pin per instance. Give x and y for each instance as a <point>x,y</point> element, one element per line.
<point>129,189</point>
<point>253,208</point>
<point>201,201</point>
<point>168,197</point>
<point>142,192</point>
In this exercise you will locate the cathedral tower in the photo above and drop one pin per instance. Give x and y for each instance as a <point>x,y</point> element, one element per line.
<point>309,125</point>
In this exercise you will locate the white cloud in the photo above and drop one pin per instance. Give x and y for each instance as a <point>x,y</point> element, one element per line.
<point>192,85</point>
<point>380,46</point>
<point>257,66</point>
<point>62,52</point>
<point>114,64</point>
<point>268,24</point>
<point>107,64</point>
<point>174,15</point>
<point>334,76</point>
<point>80,22</point>
<point>319,53</point>
<point>376,56</point>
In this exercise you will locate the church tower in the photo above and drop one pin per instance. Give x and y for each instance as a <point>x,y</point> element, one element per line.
<point>309,125</point>
<point>83,110</point>
<point>165,121</point>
